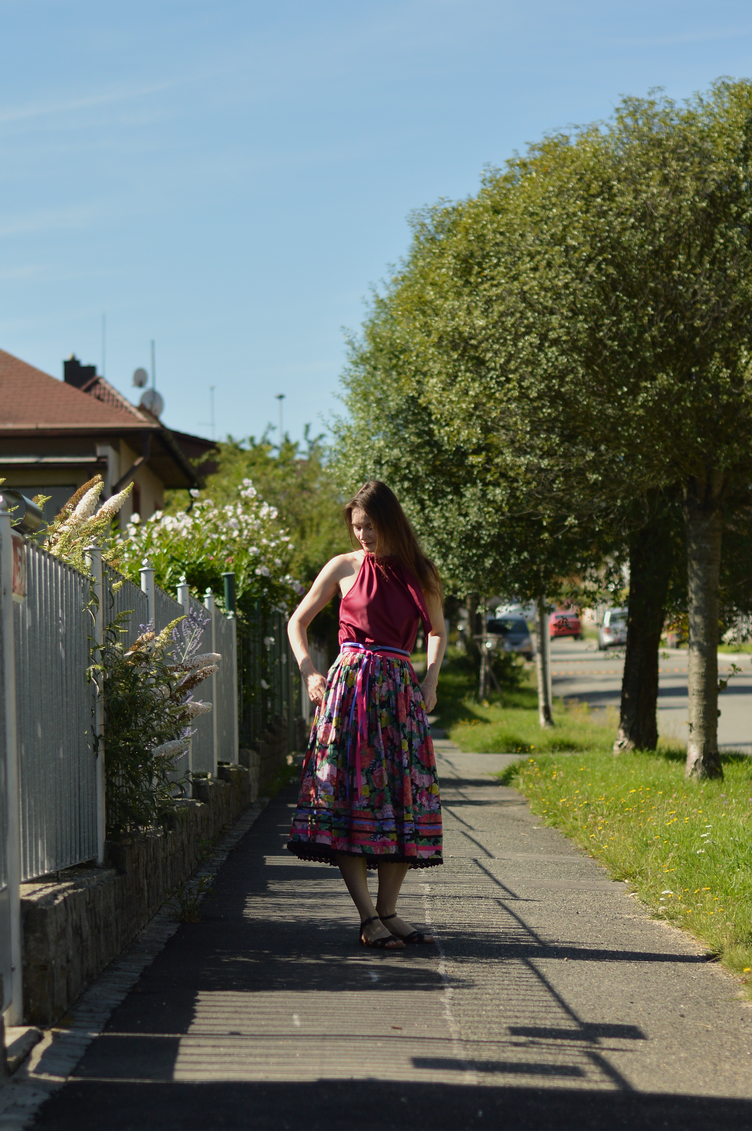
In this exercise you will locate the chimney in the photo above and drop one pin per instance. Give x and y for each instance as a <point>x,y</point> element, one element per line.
<point>76,374</point>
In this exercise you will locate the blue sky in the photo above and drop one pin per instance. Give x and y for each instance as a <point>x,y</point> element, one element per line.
<point>230,178</point>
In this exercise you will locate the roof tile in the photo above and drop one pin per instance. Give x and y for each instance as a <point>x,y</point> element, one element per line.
<point>30,398</point>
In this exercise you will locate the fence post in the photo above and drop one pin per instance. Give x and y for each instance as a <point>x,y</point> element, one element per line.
<point>94,562</point>
<point>147,587</point>
<point>13,992</point>
<point>229,584</point>
<point>183,595</point>
<point>210,607</point>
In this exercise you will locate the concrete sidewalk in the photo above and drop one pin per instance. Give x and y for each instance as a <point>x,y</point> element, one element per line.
<point>552,1000</point>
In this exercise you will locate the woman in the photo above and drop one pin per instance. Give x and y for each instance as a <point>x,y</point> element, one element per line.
<point>369,796</point>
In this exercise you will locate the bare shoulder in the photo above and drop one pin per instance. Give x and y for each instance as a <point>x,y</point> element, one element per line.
<point>344,565</point>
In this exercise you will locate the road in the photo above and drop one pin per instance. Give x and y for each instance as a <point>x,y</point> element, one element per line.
<point>551,1001</point>
<point>580,671</point>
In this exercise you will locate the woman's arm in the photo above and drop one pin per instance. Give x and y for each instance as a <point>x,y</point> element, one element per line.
<point>318,596</point>
<point>435,648</point>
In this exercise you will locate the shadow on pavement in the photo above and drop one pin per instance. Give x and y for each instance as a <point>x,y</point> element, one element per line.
<point>273,926</point>
<point>368,1105</point>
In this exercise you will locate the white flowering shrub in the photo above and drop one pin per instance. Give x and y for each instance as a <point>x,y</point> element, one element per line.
<point>149,702</point>
<point>206,541</point>
<point>83,521</point>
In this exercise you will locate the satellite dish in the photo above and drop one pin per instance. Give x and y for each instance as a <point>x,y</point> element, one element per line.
<point>140,378</point>
<point>152,402</point>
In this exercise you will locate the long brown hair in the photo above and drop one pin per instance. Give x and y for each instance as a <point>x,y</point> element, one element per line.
<point>396,537</point>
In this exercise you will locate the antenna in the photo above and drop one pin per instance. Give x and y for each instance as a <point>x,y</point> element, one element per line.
<point>104,345</point>
<point>153,367</point>
<point>280,398</point>
<point>211,412</point>
<point>140,378</point>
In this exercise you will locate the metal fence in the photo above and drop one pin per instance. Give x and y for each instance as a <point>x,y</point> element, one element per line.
<point>52,789</point>
<point>203,755</point>
<point>57,766</point>
<point>51,780</point>
<point>216,732</point>
<point>269,687</point>
<point>120,595</point>
<point>225,713</point>
<point>56,761</point>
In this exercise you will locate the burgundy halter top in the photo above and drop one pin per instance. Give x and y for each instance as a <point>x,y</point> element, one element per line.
<point>384,606</point>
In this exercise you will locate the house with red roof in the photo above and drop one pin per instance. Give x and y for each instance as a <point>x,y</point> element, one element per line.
<point>54,435</point>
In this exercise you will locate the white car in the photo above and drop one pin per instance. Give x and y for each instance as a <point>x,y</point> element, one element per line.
<point>613,630</point>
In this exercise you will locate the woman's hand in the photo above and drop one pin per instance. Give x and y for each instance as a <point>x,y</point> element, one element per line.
<point>315,686</point>
<point>428,690</point>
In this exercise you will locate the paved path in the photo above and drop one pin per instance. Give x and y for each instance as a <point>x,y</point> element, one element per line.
<point>552,1001</point>
<point>580,671</point>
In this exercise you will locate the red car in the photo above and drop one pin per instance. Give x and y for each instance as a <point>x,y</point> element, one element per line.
<point>564,623</point>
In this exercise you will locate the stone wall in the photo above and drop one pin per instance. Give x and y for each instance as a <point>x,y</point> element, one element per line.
<point>76,925</point>
<point>273,752</point>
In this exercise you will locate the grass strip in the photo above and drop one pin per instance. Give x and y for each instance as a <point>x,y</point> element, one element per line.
<point>511,727</point>
<point>508,723</point>
<point>683,846</point>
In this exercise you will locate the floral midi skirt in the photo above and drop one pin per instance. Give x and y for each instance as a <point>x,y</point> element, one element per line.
<point>369,785</point>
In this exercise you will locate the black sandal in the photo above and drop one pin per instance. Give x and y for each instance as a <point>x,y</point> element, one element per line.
<point>380,943</point>
<point>414,938</point>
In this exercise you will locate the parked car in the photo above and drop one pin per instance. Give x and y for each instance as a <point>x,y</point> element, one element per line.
<point>562,622</point>
<point>613,630</point>
<point>510,634</point>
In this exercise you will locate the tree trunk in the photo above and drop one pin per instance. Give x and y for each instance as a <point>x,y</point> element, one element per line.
<point>704,525</point>
<point>650,563</point>
<point>471,644</point>
<point>543,663</point>
<point>483,674</point>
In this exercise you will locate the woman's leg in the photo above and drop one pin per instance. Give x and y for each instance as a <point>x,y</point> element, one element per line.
<point>354,873</point>
<point>391,878</point>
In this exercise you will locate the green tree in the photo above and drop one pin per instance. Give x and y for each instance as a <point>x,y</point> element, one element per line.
<point>648,282</point>
<point>296,481</point>
<point>581,330</point>
<point>471,513</point>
